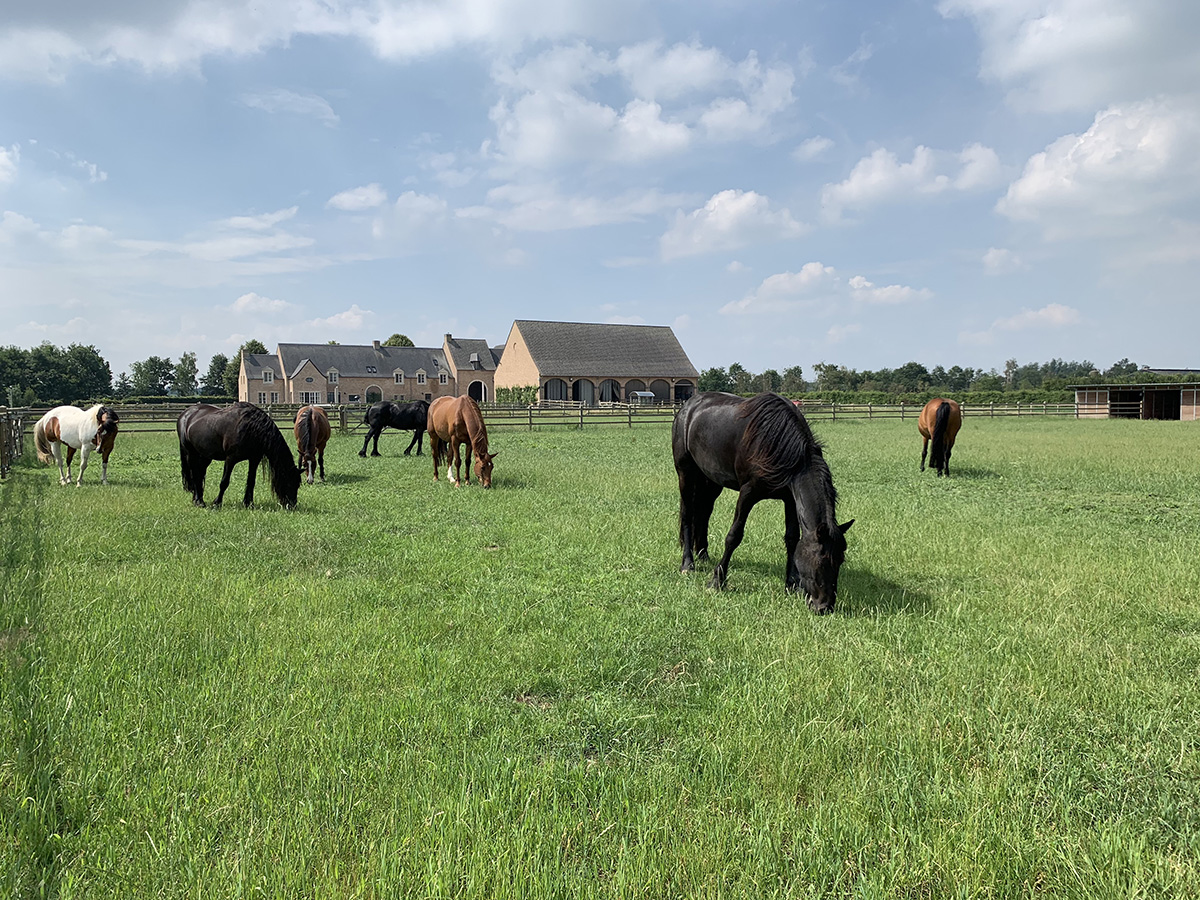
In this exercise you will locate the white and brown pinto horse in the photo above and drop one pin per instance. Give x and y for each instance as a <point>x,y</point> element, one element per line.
<point>84,430</point>
<point>454,421</point>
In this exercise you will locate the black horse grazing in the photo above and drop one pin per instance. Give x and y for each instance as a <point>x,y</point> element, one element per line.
<point>763,449</point>
<point>238,432</point>
<point>406,416</point>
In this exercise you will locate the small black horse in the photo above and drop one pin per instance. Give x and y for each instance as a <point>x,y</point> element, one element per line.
<point>763,449</point>
<point>238,432</point>
<point>405,416</point>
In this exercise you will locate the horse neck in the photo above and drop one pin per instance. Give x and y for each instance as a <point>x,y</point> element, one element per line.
<point>476,430</point>
<point>814,495</point>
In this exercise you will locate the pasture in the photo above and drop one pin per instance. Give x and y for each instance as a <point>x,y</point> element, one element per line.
<point>403,689</point>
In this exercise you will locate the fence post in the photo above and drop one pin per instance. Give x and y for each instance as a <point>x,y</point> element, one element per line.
<point>531,418</point>
<point>629,412</point>
<point>833,410</point>
<point>992,410</point>
<point>901,410</point>
<point>342,421</point>
<point>581,417</point>
<point>870,410</point>
<point>1043,407</point>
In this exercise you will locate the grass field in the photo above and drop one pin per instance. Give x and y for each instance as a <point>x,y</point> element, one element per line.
<point>401,689</point>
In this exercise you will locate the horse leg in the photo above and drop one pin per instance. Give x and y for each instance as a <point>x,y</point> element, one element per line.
<point>420,440</point>
<point>745,502</point>
<point>706,496</point>
<point>435,450</point>
<point>104,466</point>
<point>366,440</point>
<point>56,449</point>
<point>410,444</point>
<point>229,463</point>
<point>924,450</point>
<point>467,444</point>
<point>456,461</point>
<point>946,460</point>
<point>791,539</point>
<point>686,502</point>
<point>84,453</point>
<point>375,446</point>
<point>248,498</point>
<point>321,462</point>
<point>199,471</point>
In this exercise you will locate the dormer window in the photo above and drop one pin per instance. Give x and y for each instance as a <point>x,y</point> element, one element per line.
<point>443,378</point>
<point>399,377</point>
<point>421,377</point>
<point>268,376</point>
<point>372,369</point>
<point>332,376</point>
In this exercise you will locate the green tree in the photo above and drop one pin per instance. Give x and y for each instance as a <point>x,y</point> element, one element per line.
<point>769,380</point>
<point>911,377</point>
<point>399,340</point>
<point>1121,368</point>
<point>122,387</point>
<point>183,378</point>
<point>793,380</point>
<point>214,378</point>
<point>742,379</point>
<point>715,379</point>
<point>150,376</point>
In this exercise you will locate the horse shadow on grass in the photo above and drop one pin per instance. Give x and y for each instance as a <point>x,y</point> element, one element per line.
<point>344,478</point>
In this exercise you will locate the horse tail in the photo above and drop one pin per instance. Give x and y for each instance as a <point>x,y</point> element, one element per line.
<point>42,442</point>
<point>941,419</point>
<point>305,427</point>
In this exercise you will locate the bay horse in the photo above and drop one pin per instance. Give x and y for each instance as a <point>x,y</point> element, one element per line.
<point>84,430</point>
<point>234,433</point>
<point>312,434</point>
<point>764,449</point>
<point>939,422</point>
<point>454,421</point>
<point>405,416</point>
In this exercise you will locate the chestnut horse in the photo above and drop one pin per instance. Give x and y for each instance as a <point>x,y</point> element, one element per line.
<point>84,430</point>
<point>763,449</point>
<point>939,422</point>
<point>312,434</point>
<point>454,421</point>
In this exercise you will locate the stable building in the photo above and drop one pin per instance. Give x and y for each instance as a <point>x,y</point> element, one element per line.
<point>1180,400</point>
<point>593,363</point>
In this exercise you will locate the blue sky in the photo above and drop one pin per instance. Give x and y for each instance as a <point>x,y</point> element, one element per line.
<point>784,183</point>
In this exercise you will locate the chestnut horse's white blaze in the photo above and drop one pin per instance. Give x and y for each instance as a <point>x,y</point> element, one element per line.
<point>84,430</point>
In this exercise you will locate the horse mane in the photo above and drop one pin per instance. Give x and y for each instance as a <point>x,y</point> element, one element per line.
<point>476,430</point>
<point>778,443</point>
<point>254,425</point>
<point>941,420</point>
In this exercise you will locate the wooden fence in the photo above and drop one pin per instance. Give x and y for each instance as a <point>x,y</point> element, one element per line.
<point>12,437</point>
<point>349,418</point>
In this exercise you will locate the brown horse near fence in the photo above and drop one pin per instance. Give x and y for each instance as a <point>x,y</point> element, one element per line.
<point>453,422</point>
<point>939,422</point>
<point>312,434</point>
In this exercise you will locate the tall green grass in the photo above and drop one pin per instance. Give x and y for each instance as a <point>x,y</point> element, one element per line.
<point>403,689</point>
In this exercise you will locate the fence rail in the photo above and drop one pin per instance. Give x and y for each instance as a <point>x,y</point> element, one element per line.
<point>349,417</point>
<point>12,437</point>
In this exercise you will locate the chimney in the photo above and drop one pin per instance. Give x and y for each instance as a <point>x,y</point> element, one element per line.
<point>375,344</point>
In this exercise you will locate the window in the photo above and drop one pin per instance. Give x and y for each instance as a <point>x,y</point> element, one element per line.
<point>307,397</point>
<point>429,396</point>
<point>268,376</point>
<point>443,379</point>
<point>399,378</point>
<point>262,399</point>
<point>372,369</point>
<point>331,376</point>
<point>274,396</point>
<point>331,397</point>
<point>420,378</point>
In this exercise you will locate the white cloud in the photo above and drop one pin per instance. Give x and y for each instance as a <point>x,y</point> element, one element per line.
<point>540,207</point>
<point>351,319</point>
<point>279,100</point>
<point>787,289</point>
<point>736,266</point>
<point>838,333</point>
<point>811,149</point>
<point>729,220</point>
<point>1138,160</point>
<point>14,225</point>
<point>261,222</point>
<point>1051,316</point>
<point>255,303</point>
<point>1079,54</point>
<point>882,177</point>
<point>412,216</point>
<point>369,196</point>
<point>867,292</point>
<point>9,157</point>
<point>1001,261</point>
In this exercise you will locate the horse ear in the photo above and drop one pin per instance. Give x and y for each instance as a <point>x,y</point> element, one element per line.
<point>845,526</point>
<point>494,455</point>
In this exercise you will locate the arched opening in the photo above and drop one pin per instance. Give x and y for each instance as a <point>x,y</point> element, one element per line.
<point>684,389</point>
<point>661,389</point>
<point>477,391</point>
<point>554,389</point>
<point>583,391</point>
<point>610,390</point>
<point>374,393</point>
<point>633,384</point>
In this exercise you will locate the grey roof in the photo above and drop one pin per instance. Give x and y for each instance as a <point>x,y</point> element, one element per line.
<point>357,361</point>
<point>462,348</point>
<point>256,362</point>
<point>626,351</point>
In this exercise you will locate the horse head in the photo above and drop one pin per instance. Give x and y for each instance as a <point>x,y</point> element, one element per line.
<point>483,468</point>
<point>106,421</point>
<point>816,563</point>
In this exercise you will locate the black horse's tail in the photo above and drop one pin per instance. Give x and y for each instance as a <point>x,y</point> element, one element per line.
<point>185,461</point>
<point>941,419</point>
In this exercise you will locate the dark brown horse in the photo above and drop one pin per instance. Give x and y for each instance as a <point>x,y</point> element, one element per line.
<point>763,449</point>
<point>939,423</point>
<point>238,432</point>
<point>454,421</point>
<point>312,434</point>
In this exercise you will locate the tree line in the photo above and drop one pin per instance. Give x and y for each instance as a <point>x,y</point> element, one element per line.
<point>47,375</point>
<point>915,378</point>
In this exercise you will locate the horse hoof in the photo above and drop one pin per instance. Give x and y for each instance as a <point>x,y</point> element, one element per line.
<point>362,453</point>
<point>376,453</point>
